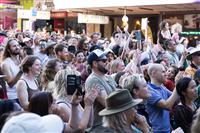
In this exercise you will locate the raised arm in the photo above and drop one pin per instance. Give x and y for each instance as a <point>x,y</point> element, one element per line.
<point>168,104</point>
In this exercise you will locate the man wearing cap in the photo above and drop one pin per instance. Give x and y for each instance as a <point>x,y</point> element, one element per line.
<point>41,53</point>
<point>49,50</point>
<point>160,101</point>
<point>97,60</point>
<point>194,57</point>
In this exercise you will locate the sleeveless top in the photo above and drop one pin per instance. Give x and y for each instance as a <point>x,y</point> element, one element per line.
<point>29,90</point>
<point>11,91</point>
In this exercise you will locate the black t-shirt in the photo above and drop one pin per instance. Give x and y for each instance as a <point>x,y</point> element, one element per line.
<point>183,117</point>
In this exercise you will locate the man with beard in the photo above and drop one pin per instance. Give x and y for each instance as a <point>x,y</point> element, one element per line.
<point>62,54</point>
<point>10,67</point>
<point>97,60</point>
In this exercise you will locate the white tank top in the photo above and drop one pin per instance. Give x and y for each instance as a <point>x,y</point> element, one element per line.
<point>14,69</point>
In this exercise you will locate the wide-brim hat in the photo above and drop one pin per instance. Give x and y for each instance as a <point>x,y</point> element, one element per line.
<point>50,44</point>
<point>119,101</point>
<point>193,51</point>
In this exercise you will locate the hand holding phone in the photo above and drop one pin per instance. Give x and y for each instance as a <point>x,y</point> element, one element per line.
<point>73,84</point>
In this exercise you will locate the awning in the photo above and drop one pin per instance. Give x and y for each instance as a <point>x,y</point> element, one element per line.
<point>71,4</point>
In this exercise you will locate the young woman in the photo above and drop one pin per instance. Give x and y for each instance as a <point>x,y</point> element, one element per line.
<point>184,111</point>
<point>80,66</point>
<point>171,73</point>
<point>27,84</point>
<point>164,32</point>
<point>117,65</point>
<point>48,74</point>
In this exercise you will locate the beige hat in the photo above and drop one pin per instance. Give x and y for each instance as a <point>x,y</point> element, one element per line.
<point>193,51</point>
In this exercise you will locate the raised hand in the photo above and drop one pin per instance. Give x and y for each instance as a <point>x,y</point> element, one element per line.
<point>76,99</point>
<point>91,96</point>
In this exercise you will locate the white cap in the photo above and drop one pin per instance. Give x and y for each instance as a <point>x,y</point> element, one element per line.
<point>33,123</point>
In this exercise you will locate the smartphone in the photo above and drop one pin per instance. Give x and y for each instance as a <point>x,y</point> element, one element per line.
<point>73,84</point>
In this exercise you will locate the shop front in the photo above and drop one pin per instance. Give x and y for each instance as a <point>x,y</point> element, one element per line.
<point>8,14</point>
<point>66,22</point>
<point>32,19</point>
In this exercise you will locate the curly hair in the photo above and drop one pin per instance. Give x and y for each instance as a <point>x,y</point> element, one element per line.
<point>48,72</point>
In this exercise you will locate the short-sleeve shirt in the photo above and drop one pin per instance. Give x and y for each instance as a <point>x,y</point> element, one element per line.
<point>158,117</point>
<point>107,84</point>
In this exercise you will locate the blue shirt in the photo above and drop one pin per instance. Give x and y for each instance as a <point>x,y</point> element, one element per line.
<point>158,117</point>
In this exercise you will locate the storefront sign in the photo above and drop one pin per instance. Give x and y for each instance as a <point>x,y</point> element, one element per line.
<point>34,12</point>
<point>58,14</point>
<point>72,14</point>
<point>27,14</point>
<point>93,19</point>
<point>10,6</point>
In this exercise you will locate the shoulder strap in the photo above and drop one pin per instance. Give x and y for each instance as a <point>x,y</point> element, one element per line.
<point>26,83</point>
<point>64,103</point>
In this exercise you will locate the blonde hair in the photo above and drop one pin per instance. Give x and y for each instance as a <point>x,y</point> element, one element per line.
<point>117,122</point>
<point>131,82</point>
<point>60,81</point>
<point>114,65</point>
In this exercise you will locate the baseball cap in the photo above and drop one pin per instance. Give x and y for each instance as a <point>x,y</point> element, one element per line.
<point>33,123</point>
<point>96,55</point>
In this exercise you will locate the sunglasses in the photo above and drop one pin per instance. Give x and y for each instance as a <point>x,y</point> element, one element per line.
<point>103,60</point>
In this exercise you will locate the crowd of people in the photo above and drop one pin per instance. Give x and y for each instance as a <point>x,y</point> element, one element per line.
<point>51,83</point>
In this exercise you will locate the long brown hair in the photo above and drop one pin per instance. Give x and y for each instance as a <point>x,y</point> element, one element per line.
<point>48,72</point>
<point>6,52</point>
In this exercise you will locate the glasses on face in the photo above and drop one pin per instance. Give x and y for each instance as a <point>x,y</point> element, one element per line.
<point>103,60</point>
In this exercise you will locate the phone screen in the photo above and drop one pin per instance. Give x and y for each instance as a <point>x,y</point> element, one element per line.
<point>71,84</point>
